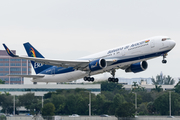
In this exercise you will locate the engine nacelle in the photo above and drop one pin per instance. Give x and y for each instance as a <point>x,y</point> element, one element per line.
<point>97,64</point>
<point>137,67</point>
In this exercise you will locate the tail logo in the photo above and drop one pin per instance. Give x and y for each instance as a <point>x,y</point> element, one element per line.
<point>33,52</point>
<point>37,65</point>
<point>8,51</point>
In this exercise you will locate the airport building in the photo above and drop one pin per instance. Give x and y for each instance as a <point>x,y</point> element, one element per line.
<point>149,87</point>
<point>41,89</point>
<point>13,66</point>
<point>129,81</point>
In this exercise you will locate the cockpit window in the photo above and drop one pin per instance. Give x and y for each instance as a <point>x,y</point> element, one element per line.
<point>164,39</point>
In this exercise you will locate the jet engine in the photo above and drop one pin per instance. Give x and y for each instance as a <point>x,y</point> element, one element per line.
<point>97,64</point>
<point>137,67</point>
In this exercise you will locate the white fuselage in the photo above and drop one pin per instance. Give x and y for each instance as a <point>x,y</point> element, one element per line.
<point>125,55</point>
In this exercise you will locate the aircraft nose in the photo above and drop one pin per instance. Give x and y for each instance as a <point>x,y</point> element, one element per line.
<point>172,43</point>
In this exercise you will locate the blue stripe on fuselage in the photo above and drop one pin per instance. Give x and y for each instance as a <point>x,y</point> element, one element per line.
<point>140,57</point>
<point>57,70</point>
<point>61,70</point>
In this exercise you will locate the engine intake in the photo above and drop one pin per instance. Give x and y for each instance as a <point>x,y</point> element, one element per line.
<point>97,64</point>
<point>137,67</point>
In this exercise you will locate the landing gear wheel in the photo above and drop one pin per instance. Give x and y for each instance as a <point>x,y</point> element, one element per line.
<point>164,61</point>
<point>113,79</point>
<point>116,79</point>
<point>89,79</point>
<point>109,79</point>
<point>85,78</point>
<point>92,79</point>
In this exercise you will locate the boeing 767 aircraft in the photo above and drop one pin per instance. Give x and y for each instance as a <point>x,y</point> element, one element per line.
<point>131,58</point>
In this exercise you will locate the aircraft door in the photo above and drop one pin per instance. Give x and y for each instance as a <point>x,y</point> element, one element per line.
<point>152,44</point>
<point>123,52</point>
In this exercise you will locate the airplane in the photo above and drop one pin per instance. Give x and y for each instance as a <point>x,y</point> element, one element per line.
<point>131,58</point>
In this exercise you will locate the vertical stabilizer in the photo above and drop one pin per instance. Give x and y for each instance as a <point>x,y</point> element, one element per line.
<point>32,52</point>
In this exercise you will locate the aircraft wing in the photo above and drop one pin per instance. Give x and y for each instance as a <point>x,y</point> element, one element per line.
<point>28,76</point>
<point>77,64</point>
<point>59,63</point>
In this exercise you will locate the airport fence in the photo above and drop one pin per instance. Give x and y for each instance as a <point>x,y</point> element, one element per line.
<point>91,118</point>
<point>19,118</point>
<point>79,118</point>
<point>108,118</point>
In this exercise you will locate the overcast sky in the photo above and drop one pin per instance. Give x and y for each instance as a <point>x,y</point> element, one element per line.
<point>70,29</point>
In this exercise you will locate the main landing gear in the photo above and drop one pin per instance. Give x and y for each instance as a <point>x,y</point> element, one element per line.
<point>110,79</point>
<point>164,61</point>
<point>90,79</point>
<point>113,79</point>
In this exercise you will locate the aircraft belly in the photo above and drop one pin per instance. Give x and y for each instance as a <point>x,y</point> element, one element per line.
<point>65,77</point>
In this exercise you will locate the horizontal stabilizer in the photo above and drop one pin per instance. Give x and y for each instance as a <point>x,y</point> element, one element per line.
<point>28,76</point>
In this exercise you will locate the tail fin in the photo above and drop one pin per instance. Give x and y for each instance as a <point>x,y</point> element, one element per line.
<point>9,52</point>
<point>32,52</point>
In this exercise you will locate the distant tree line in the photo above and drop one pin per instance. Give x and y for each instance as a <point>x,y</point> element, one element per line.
<point>163,80</point>
<point>113,100</point>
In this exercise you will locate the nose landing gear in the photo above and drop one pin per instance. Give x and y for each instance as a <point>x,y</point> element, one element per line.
<point>164,61</point>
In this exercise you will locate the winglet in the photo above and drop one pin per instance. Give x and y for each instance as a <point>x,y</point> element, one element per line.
<point>10,53</point>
